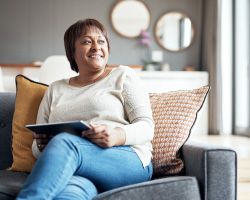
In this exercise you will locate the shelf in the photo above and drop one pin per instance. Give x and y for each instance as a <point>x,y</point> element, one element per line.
<point>18,65</point>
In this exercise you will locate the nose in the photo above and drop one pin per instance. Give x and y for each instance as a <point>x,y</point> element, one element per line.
<point>95,46</point>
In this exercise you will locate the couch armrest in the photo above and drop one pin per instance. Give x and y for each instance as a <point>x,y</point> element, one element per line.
<point>215,168</point>
<point>177,188</point>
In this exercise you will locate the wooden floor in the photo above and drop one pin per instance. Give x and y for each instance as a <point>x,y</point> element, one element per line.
<point>242,146</point>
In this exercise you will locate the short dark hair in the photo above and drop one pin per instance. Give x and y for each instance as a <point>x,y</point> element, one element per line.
<point>75,31</point>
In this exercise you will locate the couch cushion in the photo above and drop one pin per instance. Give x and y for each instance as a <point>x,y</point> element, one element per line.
<point>11,183</point>
<point>177,188</point>
<point>28,97</point>
<point>174,114</point>
<point>7,105</point>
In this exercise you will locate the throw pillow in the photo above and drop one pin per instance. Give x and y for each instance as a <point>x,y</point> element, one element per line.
<point>174,114</point>
<point>28,98</point>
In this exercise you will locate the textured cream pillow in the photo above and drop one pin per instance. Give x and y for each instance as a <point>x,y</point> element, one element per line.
<point>28,98</point>
<point>174,114</point>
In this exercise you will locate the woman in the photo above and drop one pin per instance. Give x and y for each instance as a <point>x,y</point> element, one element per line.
<point>116,151</point>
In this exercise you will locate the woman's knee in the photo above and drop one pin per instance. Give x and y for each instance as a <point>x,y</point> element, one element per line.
<point>63,138</point>
<point>61,142</point>
<point>67,137</point>
<point>66,141</point>
<point>78,188</point>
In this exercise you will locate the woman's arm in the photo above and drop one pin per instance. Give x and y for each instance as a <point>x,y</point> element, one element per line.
<point>40,140</point>
<point>138,109</point>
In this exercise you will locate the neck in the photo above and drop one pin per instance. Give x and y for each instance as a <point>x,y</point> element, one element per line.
<point>89,78</point>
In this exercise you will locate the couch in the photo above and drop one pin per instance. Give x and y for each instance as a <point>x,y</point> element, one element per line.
<point>210,172</point>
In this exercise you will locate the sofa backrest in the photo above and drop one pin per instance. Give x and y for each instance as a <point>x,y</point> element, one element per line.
<point>7,107</point>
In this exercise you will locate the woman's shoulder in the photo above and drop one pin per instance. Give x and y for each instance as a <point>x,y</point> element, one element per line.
<point>126,74</point>
<point>58,84</point>
<point>123,69</point>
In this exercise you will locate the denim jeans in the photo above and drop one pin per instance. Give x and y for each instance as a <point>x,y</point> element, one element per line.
<point>71,167</point>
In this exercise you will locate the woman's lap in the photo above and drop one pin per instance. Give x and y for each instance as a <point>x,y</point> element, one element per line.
<point>69,160</point>
<point>108,168</point>
<point>112,167</point>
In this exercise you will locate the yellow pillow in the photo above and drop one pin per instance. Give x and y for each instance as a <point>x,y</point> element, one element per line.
<point>28,98</point>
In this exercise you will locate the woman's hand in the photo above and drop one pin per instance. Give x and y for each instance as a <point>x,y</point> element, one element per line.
<point>105,136</point>
<point>42,140</point>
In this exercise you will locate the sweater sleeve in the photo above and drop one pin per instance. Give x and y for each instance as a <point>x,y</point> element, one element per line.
<point>42,118</point>
<point>138,110</point>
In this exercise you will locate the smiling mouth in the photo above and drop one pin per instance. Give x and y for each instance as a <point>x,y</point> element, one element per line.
<point>95,56</point>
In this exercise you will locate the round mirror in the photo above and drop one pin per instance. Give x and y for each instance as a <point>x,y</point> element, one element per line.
<point>174,31</point>
<point>130,17</point>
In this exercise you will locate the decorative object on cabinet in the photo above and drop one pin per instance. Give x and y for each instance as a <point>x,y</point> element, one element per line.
<point>148,63</point>
<point>165,67</point>
<point>189,68</point>
<point>174,31</point>
<point>152,61</point>
<point>130,17</point>
<point>145,42</point>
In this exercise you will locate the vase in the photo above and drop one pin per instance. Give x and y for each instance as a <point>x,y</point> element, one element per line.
<point>149,67</point>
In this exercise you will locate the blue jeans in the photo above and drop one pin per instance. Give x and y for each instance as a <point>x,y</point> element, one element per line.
<point>71,167</point>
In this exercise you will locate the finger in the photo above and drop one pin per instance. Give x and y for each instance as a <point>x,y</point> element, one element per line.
<point>41,147</point>
<point>39,136</point>
<point>87,132</point>
<point>42,141</point>
<point>92,125</point>
<point>95,136</point>
<point>50,136</point>
<point>97,127</point>
<point>100,128</point>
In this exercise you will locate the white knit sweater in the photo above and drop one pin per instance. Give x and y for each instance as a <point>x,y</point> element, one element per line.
<point>118,100</point>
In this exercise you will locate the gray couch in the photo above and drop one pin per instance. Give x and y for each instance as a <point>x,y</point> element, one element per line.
<point>210,171</point>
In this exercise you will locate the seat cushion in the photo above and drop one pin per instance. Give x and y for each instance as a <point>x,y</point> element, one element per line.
<point>177,188</point>
<point>11,183</point>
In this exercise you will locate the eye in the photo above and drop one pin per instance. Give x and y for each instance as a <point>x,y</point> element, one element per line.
<point>86,42</point>
<point>102,41</point>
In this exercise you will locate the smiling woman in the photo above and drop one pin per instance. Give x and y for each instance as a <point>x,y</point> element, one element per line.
<point>91,56</point>
<point>78,32</point>
<point>117,108</point>
<point>88,52</point>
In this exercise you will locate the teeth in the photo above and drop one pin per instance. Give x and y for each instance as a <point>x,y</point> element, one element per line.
<point>95,56</point>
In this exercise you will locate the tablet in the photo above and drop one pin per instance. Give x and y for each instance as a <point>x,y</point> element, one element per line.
<point>73,127</point>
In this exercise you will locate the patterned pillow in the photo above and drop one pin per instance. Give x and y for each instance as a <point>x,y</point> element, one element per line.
<point>174,114</point>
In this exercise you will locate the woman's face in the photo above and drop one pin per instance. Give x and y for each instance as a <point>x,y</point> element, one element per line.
<point>91,50</point>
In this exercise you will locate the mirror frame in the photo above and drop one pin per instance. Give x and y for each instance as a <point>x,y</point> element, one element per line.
<point>158,39</point>
<point>120,33</point>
